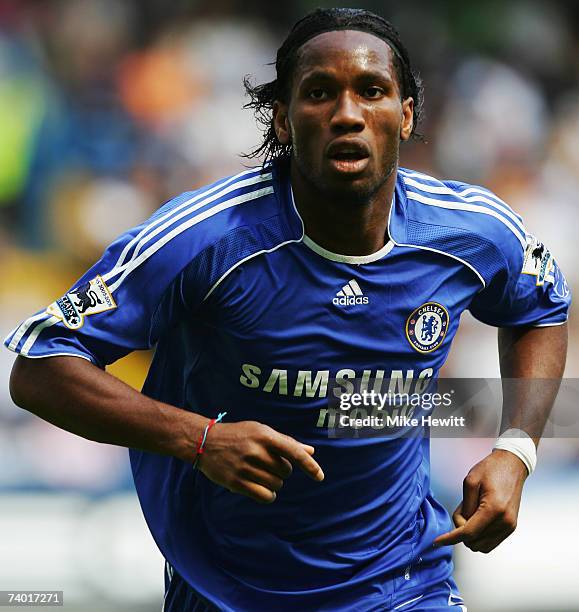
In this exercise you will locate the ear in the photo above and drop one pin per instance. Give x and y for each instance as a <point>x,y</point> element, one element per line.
<point>407,118</point>
<point>281,122</point>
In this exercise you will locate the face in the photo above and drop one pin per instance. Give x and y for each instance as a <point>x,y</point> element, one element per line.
<point>345,117</point>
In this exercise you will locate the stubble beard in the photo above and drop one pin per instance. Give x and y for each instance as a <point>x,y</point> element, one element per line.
<point>348,193</point>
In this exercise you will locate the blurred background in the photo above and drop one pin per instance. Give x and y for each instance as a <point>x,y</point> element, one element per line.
<point>109,107</point>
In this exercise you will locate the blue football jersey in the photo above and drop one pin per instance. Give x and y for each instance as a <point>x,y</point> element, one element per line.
<point>250,316</point>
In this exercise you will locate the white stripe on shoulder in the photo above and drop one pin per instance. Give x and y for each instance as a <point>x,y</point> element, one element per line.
<point>36,332</point>
<point>174,218</point>
<point>23,328</point>
<point>171,216</point>
<point>426,179</point>
<point>11,333</point>
<point>444,190</point>
<point>492,196</point>
<point>408,172</point>
<point>467,207</point>
<point>132,264</point>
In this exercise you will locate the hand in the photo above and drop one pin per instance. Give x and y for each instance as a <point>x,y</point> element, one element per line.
<point>490,505</point>
<point>253,459</point>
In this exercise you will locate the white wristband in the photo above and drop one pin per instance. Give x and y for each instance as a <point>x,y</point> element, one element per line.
<point>520,444</point>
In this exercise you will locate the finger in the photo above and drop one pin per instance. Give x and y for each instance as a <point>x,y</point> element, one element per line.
<point>457,517</point>
<point>452,537</point>
<point>255,491</point>
<point>469,531</point>
<point>272,463</point>
<point>478,524</point>
<point>262,477</point>
<point>281,466</point>
<point>470,496</point>
<point>296,452</point>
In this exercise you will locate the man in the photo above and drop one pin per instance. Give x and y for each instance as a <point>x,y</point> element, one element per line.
<point>236,284</point>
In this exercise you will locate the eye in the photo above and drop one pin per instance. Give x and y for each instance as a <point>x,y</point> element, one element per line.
<point>374,92</point>
<point>318,94</point>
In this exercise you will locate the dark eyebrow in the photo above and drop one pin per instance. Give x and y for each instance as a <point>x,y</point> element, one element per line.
<point>320,75</point>
<point>366,75</point>
<point>376,75</point>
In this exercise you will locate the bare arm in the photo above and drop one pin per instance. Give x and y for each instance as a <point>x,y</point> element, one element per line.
<point>493,488</point>
<point>75,395</point>
<point>536,358</point>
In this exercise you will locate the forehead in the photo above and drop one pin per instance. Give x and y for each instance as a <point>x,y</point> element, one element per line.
<point>345,50</point>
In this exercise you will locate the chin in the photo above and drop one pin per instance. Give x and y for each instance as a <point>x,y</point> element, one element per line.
<point>353,189</point>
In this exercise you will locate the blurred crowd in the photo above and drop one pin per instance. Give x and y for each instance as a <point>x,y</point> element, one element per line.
<point>108,108</point>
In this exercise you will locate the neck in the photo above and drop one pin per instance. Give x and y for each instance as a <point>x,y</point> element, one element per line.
<point>343,225</point>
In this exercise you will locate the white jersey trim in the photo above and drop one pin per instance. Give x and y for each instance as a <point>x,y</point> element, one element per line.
<point>351,259</point>
<point>462,261</point>
<point>459,601</point>
<point>469,188</point>
<point>415,246</point>
<point>549,324</point>
<point>169,571</point>
<point>412,195</point>
<point>171,216</point>
<point>242,261</point>
<point>482,197</point>
<point>408,602</point>
<point>36,332</point>
<point>257,253</point>
<point>47,355</point>
<point>135,262</point>
<point>23,328</point>
<point>138,259</point>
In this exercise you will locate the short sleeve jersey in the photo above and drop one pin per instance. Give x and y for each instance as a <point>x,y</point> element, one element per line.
<point>248,315</point>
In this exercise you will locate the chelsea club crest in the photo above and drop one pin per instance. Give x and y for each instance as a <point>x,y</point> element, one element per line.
<point>426,327</point>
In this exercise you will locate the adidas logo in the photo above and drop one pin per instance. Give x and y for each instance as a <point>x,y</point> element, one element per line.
<point>350,295</point>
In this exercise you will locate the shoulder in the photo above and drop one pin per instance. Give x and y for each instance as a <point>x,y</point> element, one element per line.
<point>211,229</point>
<point>211,211</point>
<point>467,221</point>
<point>463,206</point>
<point>244,212</point>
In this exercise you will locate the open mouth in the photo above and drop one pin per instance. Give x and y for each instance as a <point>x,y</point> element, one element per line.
<point>348,156</point>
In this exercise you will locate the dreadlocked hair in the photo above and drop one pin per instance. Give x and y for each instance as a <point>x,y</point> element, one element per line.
<point>262,96</point>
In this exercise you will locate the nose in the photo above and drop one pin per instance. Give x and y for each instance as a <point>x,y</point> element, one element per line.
<point>347,116</point>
